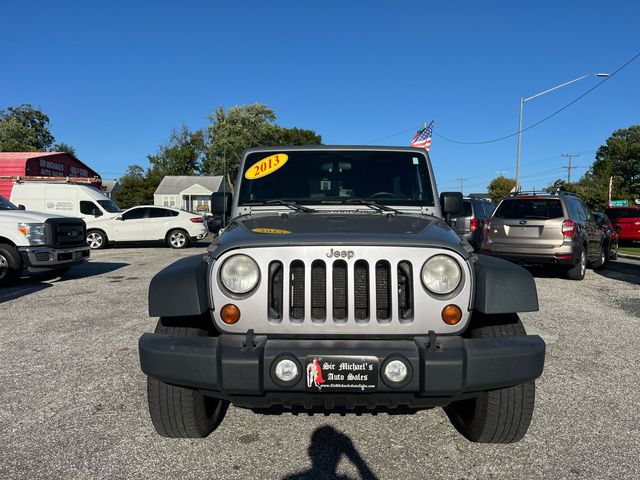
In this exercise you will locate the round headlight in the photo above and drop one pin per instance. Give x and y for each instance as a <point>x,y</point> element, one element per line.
<point>239,274</point>
<point>441,274</point>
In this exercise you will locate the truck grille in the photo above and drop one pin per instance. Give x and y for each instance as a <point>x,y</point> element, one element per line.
<point>340,295</point>
<point>66,233</point>
<point>352,289</point>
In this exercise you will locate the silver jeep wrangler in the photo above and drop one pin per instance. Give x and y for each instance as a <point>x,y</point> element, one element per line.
<point>337,286</point>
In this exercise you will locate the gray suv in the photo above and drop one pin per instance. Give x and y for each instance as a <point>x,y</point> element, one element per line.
<point>470,225</point>
<point>337,286</point>
<point>548,229</point>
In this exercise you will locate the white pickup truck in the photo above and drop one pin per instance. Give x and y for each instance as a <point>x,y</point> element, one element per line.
<point>38,242</point>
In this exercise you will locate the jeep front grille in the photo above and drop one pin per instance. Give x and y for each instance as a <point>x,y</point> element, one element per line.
<point>377,291</point>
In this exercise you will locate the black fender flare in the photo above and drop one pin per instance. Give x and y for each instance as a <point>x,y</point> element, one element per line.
<point>503,287</point>
<point>180,289</point>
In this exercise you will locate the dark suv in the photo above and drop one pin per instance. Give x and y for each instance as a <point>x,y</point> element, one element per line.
<point>470,225</point>
<point>547,229</point>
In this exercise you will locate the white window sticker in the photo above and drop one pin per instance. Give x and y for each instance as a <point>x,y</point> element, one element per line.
<point>415,161</point>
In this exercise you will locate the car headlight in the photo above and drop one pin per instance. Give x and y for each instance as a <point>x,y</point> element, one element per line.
<point>441,274</point>
<point>34,232</point>
<point>239,274</point>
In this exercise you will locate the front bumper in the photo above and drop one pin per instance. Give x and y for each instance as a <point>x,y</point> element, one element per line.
<point>48,258</point>
<point>534,259</point>
<point>444,368</point>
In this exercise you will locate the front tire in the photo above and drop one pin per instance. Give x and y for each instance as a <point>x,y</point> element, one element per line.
<point>97,239</point>
<point>178,238</point>
<point>10,264</point>
<point>178,412</point>
<point>496,416</point>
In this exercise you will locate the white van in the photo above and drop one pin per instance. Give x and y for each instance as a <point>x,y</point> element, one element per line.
<point>68,199</point>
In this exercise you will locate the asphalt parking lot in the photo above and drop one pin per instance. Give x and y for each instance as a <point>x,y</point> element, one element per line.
<point>73,399</point>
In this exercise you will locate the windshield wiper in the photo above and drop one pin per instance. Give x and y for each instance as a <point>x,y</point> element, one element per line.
<point>291,205</point>
<point>371,204</point>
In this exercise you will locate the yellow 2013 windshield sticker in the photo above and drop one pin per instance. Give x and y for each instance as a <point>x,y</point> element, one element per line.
<point>266,166</point>
<point>275,231</point>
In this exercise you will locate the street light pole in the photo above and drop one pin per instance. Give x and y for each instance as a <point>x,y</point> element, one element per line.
<point>525,100</point>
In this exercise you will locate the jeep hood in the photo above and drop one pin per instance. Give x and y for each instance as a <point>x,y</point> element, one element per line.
<point>337,228</point>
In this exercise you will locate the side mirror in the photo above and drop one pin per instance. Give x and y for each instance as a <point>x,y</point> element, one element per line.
<point>119,217</point>
<point>451,203</point>
<point>221,204</point>
<point>21,207</point>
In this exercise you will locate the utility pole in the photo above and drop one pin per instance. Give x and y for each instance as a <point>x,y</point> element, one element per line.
<point>569,156</point>
<point>501,172</point>
<point>461,180</point>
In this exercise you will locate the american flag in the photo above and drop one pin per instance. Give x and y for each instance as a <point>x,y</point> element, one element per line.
<point>423,137</point>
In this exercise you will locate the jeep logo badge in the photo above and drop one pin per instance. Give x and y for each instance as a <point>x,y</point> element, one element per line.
<point>348,254</point>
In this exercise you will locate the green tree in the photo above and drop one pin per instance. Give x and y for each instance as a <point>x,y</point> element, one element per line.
<point>619,157</point>
<point>136,188</point>
<point>64,147</point>
<point>500,187</point>
<point>238,128</point>
<point>183,154</point>
<point>24,129</point>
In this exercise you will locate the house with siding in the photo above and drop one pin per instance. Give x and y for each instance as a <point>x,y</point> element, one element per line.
<point>187,192</point>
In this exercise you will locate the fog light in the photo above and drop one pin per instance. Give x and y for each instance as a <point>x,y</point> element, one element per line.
<point>396,371</point>
<point>286,370</point>
<point>230,314</point>
<point>451,314</point>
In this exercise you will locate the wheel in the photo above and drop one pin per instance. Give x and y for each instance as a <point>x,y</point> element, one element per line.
<point>497,416</point>
<point>178,412</point>
<point>579,269</point>
<point>10,264</point>
<point>97,239</point>
<point>178,238</point>
<point>602,258</point>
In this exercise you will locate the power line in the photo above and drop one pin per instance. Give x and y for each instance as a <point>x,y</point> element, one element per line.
<point>575,100</point>
<point>461,180</point>
<point>493,140</point>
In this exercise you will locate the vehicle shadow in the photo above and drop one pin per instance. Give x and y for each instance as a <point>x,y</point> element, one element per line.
<point>40,281</point>
<point>622,271</point>
<point>325,451</point>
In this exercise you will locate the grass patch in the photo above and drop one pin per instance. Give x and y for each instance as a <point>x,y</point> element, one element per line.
<point>630,250</point>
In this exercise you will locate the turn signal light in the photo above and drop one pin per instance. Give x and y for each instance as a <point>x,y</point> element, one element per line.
<point>451,314</point>
<point>230,314</point>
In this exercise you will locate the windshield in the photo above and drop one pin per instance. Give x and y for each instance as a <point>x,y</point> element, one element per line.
<point>539,208</point>
<point>109,206</point>
<point>6,204</point>
<point>317,177</point>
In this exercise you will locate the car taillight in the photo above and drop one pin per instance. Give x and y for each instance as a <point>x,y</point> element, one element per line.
<point>474,224</point>
<point>568,228</point>
<point>196,219</point>
<point>487,227</point>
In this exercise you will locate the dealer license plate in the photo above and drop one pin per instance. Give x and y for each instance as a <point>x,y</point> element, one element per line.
<point>340,373</point>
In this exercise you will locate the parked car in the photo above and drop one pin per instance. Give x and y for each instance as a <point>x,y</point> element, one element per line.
<point>64,198</point>
<point>611,235</point>
<point>338,287</point>
<point>148,223</point>
<point>626,220</point>
<point>548,229</point>
<point>38,242</point>
<point>470,226</point>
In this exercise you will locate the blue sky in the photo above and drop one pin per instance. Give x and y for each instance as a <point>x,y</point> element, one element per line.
<point>116,77</point>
